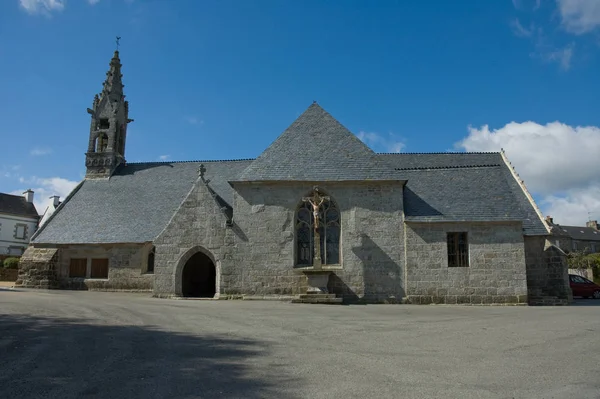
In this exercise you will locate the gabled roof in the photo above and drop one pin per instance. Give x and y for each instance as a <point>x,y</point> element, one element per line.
<point>135,204</point>
<point>316,147</point>
<point>17,205</point>
<point>580,233</point>
<point>450,187</point>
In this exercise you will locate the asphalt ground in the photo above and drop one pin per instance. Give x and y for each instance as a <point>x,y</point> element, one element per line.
<point>67,344</point>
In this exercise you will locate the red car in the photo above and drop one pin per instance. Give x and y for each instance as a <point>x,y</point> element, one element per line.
<point>581,286</point>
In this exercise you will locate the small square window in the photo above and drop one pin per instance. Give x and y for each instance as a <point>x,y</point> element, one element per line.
<point>458,249</point>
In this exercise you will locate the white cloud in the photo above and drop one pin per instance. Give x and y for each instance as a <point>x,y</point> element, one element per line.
<point>40,151</point>
<point>559,163</point>
<point>381,143</point>
<point>579,16</point>
<point>562,56</point>
<point>164,157</point>
<point>576,207</point>
<point>42,6</point>
<point>44,188</point>
<point>520,30</point>
<point>521,4</point>
<point>192,120</point>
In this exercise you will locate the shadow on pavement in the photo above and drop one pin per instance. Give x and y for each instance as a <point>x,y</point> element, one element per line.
<point>63,358</point>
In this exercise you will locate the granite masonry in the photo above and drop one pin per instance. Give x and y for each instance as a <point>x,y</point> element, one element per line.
<point>449,228</point>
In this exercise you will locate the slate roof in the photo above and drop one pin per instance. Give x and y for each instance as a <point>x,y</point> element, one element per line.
<point>316,147</point>
<point>449,187</point>
<point>138,201</point>
<point>17,205</point>
<point>135,204</point>
<point>580,233</point>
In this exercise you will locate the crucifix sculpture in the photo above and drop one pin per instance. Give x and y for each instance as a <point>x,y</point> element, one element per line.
<point>316,200</point>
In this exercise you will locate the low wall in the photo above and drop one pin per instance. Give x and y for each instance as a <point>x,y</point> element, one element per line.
<point>8,274</point>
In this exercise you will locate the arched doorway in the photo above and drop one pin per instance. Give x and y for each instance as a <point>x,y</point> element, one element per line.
<point>198,278</point>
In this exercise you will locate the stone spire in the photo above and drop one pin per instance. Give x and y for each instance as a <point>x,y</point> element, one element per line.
<point>113,85</point>
<point>108,128</point>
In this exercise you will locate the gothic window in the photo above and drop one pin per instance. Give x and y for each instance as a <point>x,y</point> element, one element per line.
<point>150,265</point>
<point>101,143</point>
<point>329,232</point>
<point>458,250</point>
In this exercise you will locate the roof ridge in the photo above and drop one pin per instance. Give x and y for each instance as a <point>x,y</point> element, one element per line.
<point>437,153</point>
<point>13,195</point>
<point>58,209</point>
<point>450,167</point>
<point>192,161</point>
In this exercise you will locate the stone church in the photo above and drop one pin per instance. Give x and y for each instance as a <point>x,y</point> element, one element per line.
<point>317,213</point>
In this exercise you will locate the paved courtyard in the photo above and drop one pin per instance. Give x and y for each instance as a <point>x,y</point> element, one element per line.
<point>64,344</point>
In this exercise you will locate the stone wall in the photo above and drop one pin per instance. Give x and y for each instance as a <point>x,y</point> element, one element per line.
<point>8,274</point>
<point>547,273</point>
<point>256,256</point>
<point>496,271</point>
<point>37,268</point>
<point>370,267</point>
<point>126,267</point>
<point>198,226</point>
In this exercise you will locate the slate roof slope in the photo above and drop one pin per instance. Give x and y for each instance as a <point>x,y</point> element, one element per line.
<point>316,147</point>
<point>135,204</point>
<point>17,205</point>
<point>580,233</point>
<point>463,187</point>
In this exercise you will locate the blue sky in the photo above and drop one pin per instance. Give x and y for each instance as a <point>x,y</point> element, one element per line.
<point>222,79</point>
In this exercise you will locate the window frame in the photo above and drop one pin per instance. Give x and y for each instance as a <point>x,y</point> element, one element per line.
<point>457,257</point>
<point>16,233</point>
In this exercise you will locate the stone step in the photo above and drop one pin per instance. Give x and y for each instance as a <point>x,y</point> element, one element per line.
<point>310,296</point>
<point>546,300</point>
<point>323,301</point>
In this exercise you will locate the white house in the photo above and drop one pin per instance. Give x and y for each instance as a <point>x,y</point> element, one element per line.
<point>18,221</point>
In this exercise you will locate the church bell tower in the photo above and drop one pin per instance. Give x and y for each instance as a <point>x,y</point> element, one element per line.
<point>108,128</point>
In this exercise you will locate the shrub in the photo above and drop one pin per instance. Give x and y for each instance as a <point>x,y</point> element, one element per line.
<point>11,263</point>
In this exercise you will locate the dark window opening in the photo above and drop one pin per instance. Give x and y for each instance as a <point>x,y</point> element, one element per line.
<point>99,268</point>
<point>103,124</point>
<point>458,250</point>
<point>150,268</point>
<point>78,267</point>
<point>329,232</point>
<point>199,277</point>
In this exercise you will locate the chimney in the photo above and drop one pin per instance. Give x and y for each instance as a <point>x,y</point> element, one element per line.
<point>28,195</point>
<point>55,200</point>
<point>549,220</point>
<point>593,224</point>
